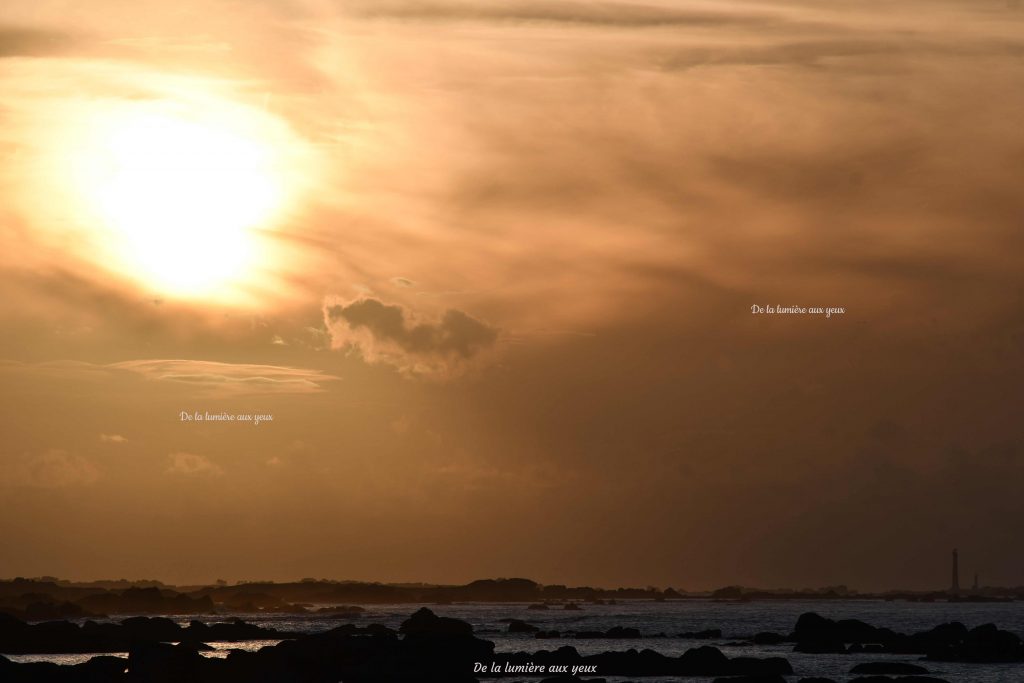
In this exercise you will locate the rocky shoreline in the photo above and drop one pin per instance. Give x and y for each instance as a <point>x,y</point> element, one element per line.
<point>431,648</point>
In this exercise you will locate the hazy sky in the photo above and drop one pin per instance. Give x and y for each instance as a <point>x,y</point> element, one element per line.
<point>490,266</point>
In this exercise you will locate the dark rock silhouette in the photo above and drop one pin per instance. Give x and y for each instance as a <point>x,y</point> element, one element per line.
<point>951,642</point>
<point>768,638</point>
<point>96,670</point>
<point>18,637</point>
<point>814,633</point>
<point>982,644</point>
<point>425,648</point>
<point>159,662</point>
<point>520,626</point>
<point>442,646</point>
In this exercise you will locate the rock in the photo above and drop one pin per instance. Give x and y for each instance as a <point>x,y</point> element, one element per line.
<point>442,646</point>
<point>160,662</point>
<point>146,628</point>
<point>36,672</point>
<point>768,638</point>
<point>424,623</point>
<point>775,678</point>
<point>948,642</point>
<point>520,626</point>
<point>547,634</point>
<point>813,628</point>
<point>99,669</point>
<point>884,668</point>
<point>427,648</point>
<point>982,644</point>
<point>62,637</point>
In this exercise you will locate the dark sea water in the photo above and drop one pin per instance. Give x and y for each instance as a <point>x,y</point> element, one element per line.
<point>736,620</point>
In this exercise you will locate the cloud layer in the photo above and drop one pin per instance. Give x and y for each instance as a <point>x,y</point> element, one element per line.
<point>580,202</point>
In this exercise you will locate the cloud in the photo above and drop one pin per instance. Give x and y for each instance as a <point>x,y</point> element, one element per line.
<point>209,377</point>
<point>52,469</point>
<point>392,334</point>
<point>25,42</point>
<point>230,378</point>
<point>604,14</point>
<point>112,438</point>
<point>190,464</point>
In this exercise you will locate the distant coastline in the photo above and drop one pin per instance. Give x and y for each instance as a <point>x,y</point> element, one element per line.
<point>53,598</point>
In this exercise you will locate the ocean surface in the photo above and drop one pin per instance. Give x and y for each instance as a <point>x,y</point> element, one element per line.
<point>736,621</point>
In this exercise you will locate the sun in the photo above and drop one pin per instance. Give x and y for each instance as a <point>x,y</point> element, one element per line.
<point>180,198</point>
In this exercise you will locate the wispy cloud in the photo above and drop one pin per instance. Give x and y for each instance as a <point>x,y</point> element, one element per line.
<point>191,465</point>
<point>209,377</point>
<point>230,378</point>
<point>604,14</point>
<point>54,468</point>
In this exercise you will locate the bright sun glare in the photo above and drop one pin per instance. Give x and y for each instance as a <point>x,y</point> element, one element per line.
<point>179,197</point>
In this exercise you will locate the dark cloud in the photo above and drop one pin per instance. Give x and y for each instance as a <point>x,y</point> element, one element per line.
<point>26,42</point>
<point>390,332</point>
<point>610,14</point>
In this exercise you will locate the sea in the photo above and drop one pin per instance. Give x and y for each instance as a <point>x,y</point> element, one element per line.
<point>736,620</point>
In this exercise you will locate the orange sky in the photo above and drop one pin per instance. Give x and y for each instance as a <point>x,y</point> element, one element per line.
<point>491,266</point>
